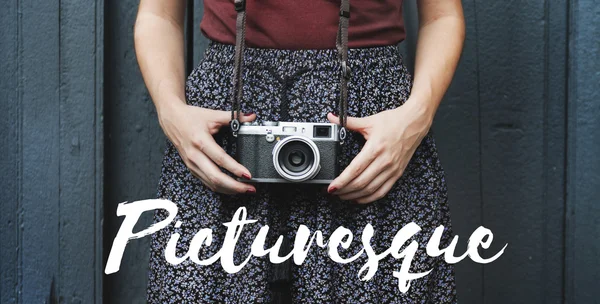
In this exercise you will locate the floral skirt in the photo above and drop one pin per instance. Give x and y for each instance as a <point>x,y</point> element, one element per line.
<point>301,86</point>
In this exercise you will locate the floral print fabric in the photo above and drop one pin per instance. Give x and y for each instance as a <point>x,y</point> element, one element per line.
<point>306,84</point>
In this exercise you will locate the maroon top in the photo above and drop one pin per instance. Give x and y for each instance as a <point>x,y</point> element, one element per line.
<point>305,24</point>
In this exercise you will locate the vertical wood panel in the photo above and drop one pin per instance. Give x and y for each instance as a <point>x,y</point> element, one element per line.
<point>511,78</point>
<point>408,47</point>
<point>40,60</point>
<point>513,69</point>
<point>10,159</point>
<point>99,97</point>
<point>79,230</point>
<point>200,42</point>
<point>583,184</point>
<point>134,145</point>
<point>49,168</point>
<point>456,129</point>
<point>553,208</point>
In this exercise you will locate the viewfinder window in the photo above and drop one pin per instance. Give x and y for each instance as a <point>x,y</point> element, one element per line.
<point>322,131</point>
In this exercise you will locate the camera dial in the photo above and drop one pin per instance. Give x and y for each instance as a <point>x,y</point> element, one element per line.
<point>270,137</point>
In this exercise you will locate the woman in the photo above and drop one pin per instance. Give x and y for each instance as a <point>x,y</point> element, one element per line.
<point>390,176</point>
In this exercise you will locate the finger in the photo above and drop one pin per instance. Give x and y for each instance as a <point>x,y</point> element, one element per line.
<point>379,194</point>
<point>356,167</point>
<point>378,167</point>
<point>224,117</point>
<point>352,123</point>
<point>371,187</point>
<point>218,180</point>
<point>210,148</point>
<point>225,184</point>
<point>246,117</point>
<point>196,172</point>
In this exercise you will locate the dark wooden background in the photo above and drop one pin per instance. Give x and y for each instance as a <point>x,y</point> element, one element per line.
<point>518,133</point>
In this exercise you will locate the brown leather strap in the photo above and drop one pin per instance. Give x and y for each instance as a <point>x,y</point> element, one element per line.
<point>236,95</point>
<point>341,46</point>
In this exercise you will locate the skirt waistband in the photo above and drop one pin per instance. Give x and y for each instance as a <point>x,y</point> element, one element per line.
<point>311,58</point>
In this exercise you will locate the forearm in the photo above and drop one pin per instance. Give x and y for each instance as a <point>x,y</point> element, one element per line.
<point>160,54</point>
<point>438,51</point>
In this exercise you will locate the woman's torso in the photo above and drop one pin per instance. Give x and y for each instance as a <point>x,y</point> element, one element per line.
<point>307,24</point>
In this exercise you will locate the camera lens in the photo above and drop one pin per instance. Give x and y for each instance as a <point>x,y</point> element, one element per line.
<point>296,158</point>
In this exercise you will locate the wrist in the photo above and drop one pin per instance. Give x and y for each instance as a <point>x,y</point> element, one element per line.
<point>168,114</point>
<point>421,109</point>
<point>170,108</point>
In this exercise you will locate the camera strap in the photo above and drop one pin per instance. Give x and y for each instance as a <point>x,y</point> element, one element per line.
<point>341,44</point>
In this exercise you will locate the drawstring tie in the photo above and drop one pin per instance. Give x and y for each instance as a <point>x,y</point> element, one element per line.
<point>281,274</point>
<point>286,82</point>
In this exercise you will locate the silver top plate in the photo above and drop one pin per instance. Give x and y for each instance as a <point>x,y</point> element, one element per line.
<point>290,128</point>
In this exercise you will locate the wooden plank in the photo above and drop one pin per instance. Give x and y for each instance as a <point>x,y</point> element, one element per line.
<point>10,158</point>
<point>410,13</point>
<point>134,148</point>
<point>200,41</point>
<point>583,163</point>
<point>188,37</point>
<point>78,130</point>
<point>99,154</point>
<point>456,130</point>
<point>553,202</point>
<point>513,91</point>
<point>40,231</point>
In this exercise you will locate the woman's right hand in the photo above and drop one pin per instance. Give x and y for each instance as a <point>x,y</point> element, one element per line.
<point>191,129</point>
<point>159,47</point>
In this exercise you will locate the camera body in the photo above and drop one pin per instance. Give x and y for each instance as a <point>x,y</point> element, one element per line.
<point>289,152</point>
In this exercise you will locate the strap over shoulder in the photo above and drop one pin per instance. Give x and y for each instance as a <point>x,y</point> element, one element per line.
<point>342,49</point>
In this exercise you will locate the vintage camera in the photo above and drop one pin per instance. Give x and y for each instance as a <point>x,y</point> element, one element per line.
<point>289,152</point>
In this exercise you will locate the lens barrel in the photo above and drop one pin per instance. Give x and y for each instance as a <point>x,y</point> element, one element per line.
<point>296,158</point>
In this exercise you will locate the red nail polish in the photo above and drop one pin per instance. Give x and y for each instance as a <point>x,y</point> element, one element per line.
<point>248,114</point>
<point>250,191</point>
<point>246,176</point>
<point>334,114</point>
<point>332,190</point>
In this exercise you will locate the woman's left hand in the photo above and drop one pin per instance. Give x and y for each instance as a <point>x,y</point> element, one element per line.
<point>392,136</point>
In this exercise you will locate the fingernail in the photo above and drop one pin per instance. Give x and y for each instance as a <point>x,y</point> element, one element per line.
<point>334,114</point>
<point>251,191</point>
<point>332,189</point>
<point>246,176</point>
<point>248,114</point>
